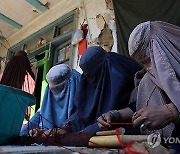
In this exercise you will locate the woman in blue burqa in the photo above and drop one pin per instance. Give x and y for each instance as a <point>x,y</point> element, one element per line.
<point>58,101</point>
<point>106,84</point>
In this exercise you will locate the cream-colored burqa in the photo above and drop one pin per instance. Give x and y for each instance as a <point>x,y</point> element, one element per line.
<point>156,44</point>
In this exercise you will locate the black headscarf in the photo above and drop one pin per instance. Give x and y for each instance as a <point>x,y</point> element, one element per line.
<point>16,69</point>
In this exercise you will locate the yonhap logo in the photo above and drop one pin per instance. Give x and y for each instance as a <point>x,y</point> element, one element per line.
<point>154,140</point>
<point>171,140</point>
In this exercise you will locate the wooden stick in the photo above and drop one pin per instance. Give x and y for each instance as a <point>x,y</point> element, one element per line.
<point>110,132</point>
<point>111,141</point>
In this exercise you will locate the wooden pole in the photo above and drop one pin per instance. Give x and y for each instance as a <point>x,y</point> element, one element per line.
<point>110,132</point>
<point>111,141</point>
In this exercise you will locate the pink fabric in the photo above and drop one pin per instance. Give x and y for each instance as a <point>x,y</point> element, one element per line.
<point>29,84</point>
<point>0,76</point>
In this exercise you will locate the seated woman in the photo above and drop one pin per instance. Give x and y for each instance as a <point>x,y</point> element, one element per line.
<point>106,84</point>
<point>57,104</point>
<point>156,45</point>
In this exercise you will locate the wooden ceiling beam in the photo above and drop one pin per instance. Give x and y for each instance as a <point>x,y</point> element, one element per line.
<point>38,5</point>
<point>10,21</point>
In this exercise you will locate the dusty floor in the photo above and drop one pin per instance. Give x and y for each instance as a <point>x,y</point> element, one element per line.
<point>55,150</point>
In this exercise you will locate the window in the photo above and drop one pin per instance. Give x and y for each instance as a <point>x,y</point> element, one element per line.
<point>49,46</point>
<point>62,54</point>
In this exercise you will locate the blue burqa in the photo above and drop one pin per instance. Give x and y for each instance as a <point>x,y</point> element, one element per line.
<point>106,84</point>
<point>57,105</point>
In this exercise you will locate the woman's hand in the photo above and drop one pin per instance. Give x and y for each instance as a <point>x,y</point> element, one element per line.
<point>154,117</point>
<point>51,132</point>
<point>55,131</point>
<point>104,121</point>
<point>36,132</point>
<point>123,115</point>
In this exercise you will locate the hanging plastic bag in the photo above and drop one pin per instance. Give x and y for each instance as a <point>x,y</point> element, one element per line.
<point>78,36</point>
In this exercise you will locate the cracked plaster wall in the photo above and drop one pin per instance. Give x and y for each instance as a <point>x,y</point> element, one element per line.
<point>97,14</point>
